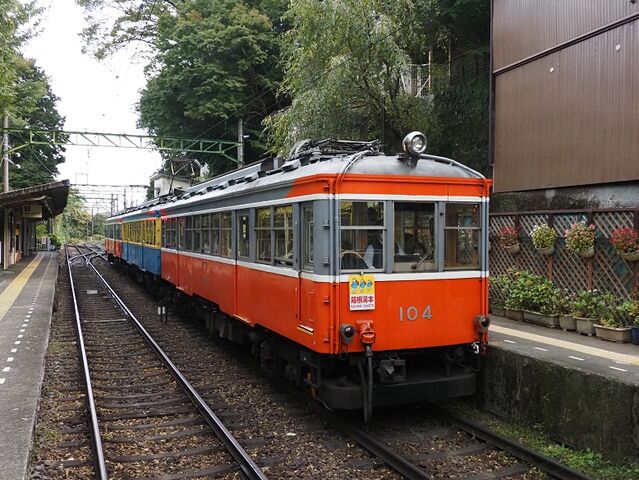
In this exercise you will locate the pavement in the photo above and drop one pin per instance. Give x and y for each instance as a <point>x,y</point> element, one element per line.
<point>26,301</point>
<point>618,361</point>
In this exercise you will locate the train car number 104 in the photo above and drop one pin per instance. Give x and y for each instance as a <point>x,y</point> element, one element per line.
<point>412,313</point>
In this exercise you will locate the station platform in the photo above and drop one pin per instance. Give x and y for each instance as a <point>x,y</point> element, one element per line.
<point>583,390</point>
<point>570,349</point>
<point>26,302</point>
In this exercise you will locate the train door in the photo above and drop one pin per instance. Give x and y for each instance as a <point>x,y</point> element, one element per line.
<point>243,275</point>
<point>307,290</point>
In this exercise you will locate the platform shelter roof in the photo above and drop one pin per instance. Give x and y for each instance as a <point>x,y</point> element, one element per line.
<point>51,196</point>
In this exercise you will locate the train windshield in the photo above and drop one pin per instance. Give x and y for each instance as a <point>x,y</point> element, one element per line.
<point>414,237</point>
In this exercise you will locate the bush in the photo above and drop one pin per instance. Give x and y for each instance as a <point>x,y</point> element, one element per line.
<point>55,241</point>
<point>630,308</point>
<point>543,236</point>
<point>527,291</point>
<point>595,304</point>
<point>580,237</point>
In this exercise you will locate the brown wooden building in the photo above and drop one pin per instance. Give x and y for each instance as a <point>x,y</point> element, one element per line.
<point>565,93</point>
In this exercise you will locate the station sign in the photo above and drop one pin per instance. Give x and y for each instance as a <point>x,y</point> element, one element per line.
<point>361,292</point>
<point>33,210</point>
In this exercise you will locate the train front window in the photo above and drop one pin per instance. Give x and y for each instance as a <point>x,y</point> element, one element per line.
<point>461,235</point>
<point>362,235</point>
<point>414,237</point>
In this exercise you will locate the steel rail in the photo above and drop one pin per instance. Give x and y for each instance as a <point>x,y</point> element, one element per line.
<point>101,467</point>
<point>547,464</point>
<point>397,462</point>
<point>247,464</point>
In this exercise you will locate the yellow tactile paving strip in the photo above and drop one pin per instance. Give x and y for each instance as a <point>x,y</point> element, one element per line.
<point>17,284</point>
<point>597,352</point>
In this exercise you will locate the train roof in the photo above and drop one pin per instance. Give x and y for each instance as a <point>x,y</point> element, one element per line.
<point>278,172</point>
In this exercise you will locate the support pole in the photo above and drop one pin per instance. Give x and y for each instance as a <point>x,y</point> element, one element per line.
<point>5,154</point>
<point>240,139</point>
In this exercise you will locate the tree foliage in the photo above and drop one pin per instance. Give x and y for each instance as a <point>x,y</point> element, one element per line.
<point>72,223</point>
<point>210,64</point>
<point>344,62</point>
<point>37,110</point>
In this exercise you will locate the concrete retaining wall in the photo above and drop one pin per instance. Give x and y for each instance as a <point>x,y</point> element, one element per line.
<point>577,408</point>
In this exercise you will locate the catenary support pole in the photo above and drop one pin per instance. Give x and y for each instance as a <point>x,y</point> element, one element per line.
<point>240,139</point>
<point>5,154</point>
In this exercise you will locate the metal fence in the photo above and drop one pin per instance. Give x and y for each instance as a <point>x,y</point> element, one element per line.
<point>605,271</point>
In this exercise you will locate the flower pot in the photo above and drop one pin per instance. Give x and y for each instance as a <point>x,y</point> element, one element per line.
<point>629,257</point>
<point>612,334</point>
<point>585,326</point>
<point>498,311</point>
<point>551,321</point>
<point>567,323</point>
<point>512,248</point>
<point>547,250</point>
<point>514,314</point>
<point>634,335</point>
<point>589,252</point>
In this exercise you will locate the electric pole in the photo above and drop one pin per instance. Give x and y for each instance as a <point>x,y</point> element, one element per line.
<point>240,139</point>
<point>5,154</point>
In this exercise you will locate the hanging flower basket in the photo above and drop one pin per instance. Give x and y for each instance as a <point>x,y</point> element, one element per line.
<point>580,238</point>
<point>509,239</point>
<point>626,243</point>
<point>543,238</point>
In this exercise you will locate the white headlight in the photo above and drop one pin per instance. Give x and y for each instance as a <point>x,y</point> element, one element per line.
<point>414,143</point>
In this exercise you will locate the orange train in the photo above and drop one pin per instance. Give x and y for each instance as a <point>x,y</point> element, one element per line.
<point>359,274</point>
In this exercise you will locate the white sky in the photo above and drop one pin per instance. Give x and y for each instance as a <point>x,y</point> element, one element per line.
<point>94,96</point>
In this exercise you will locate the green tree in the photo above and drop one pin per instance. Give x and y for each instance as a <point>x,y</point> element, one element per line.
<point>72,224</point>
<point>343,72</point>
<point>37,110</point>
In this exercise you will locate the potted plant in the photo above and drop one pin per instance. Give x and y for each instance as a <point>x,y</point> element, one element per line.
<point>498,291</point>
<point>626,243</point>
<point>564,309</point>
<point>509,239</point>
<point>630,308</point>
<point>588,308</point>
<point>539,300</point>
<point>612,329</point>
<point>543,238</point>
<point>580,238</point>
<point>514,294</point>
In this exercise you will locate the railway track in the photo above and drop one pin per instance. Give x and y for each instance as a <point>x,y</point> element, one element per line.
<point>428,445</point>
<point>145,419</point>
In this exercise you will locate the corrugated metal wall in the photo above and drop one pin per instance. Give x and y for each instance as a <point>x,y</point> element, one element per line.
<point>566,109</point>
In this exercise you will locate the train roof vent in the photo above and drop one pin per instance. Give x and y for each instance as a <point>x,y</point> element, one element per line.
<point>210,188</point>
<point>292,165</point>
<point>223,185</point>
<point>252,177</point>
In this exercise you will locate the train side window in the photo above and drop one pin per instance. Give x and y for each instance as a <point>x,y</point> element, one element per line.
<point>197,227</point>
<point>362,235</point>
<point>263,225</point>
<point>181,232</point>
<point>243,235</point>
<point>206,234</point>
<point>215,233</point>
<point>283,233</point>
<point>461,236</point>
<point>307,237</point>
<point>414,237</point>
<point>188,234</point>
<point>226,247</point>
